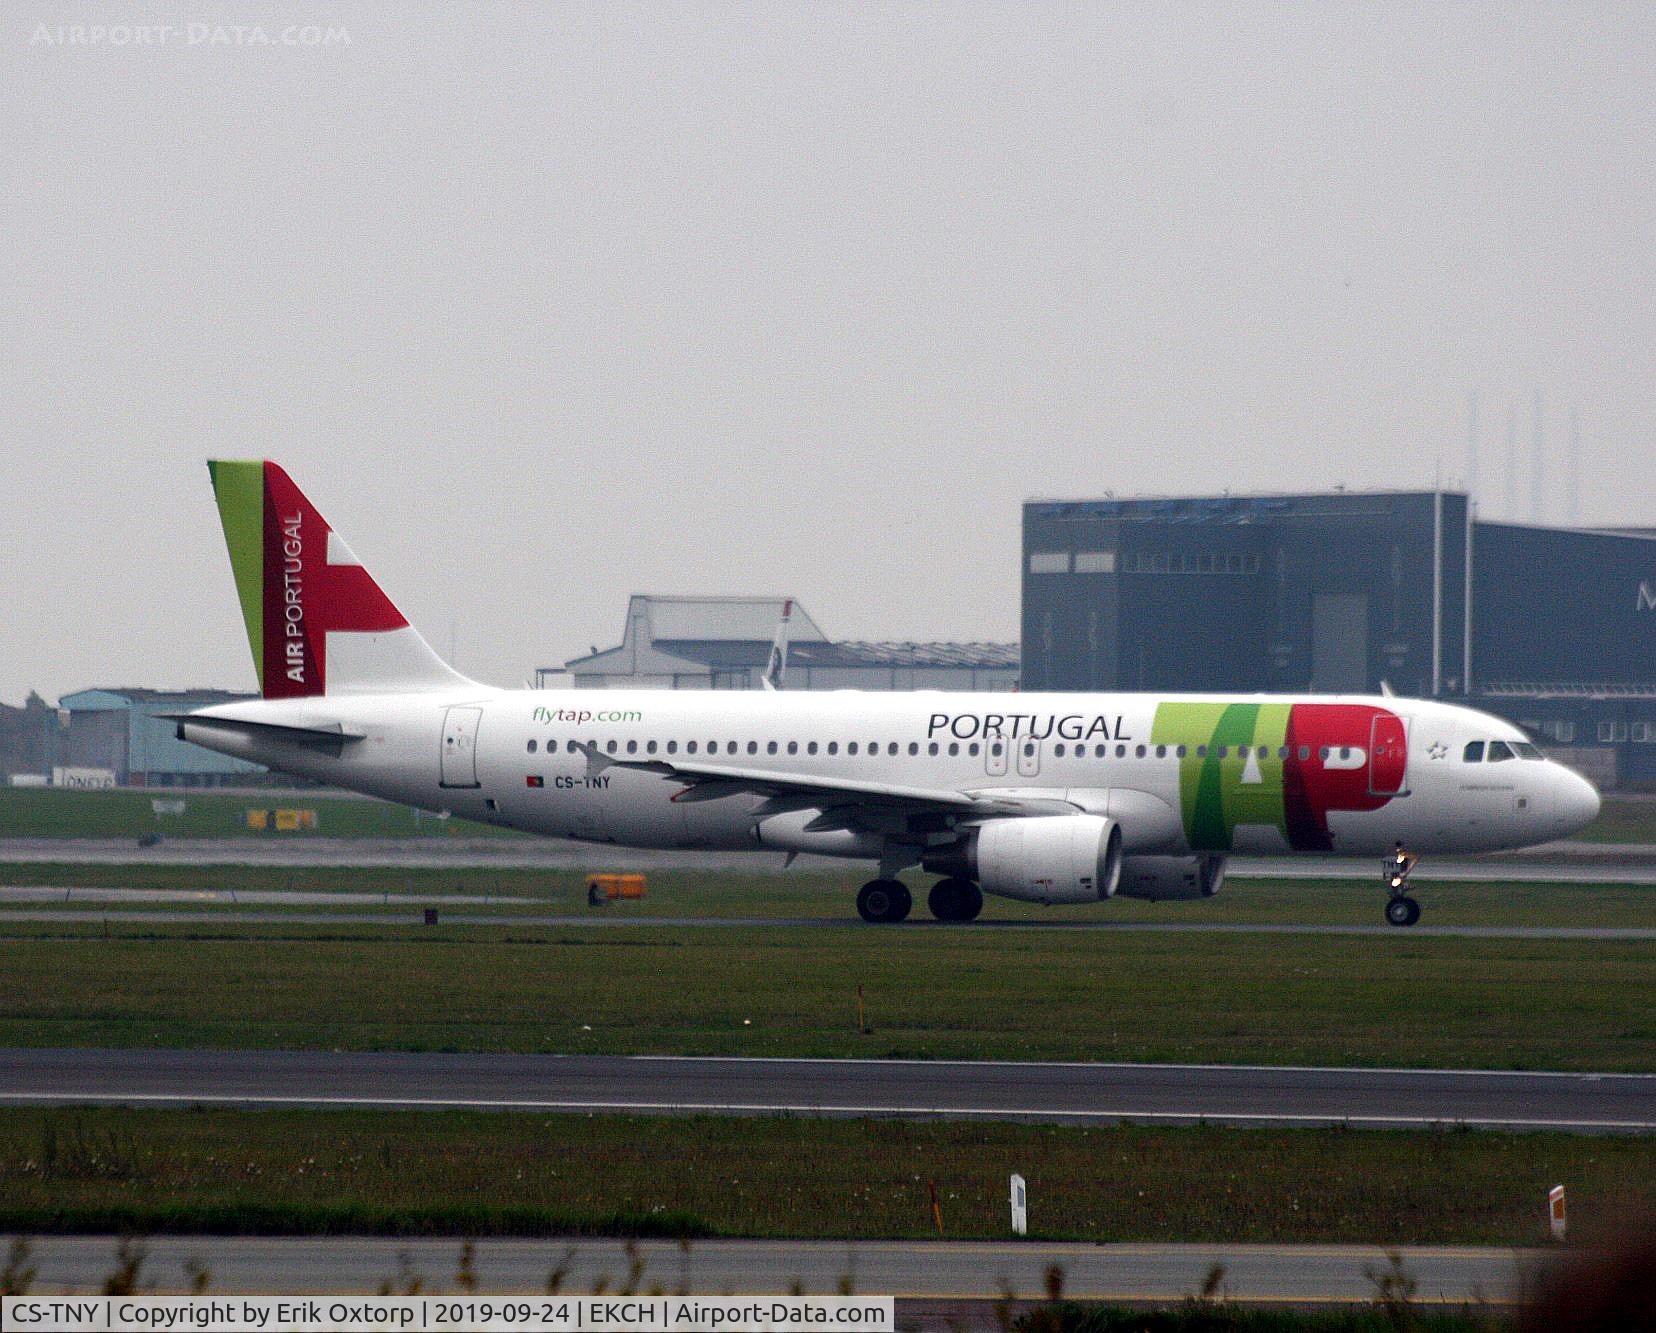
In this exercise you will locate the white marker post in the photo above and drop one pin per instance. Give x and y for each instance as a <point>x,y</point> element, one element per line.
<point>1020,1208</point>
<point>1555,1211</point>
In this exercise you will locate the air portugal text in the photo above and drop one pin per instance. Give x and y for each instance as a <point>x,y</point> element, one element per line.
<point>1027,726</point>
<point>293,604</point>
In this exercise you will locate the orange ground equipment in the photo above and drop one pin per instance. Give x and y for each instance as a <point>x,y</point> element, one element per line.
<point>608,888</point>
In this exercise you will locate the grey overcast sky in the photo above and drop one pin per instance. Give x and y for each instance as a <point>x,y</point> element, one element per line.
<point>545,304</point>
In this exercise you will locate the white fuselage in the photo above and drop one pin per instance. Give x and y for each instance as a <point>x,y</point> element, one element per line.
<point>1180,773</point>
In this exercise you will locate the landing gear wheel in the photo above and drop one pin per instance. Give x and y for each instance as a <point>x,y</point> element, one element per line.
<point>955,899</point>
<point>883,901</point>
<point>1402,910</point>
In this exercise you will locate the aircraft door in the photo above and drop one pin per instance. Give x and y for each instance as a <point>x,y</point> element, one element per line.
<point>1388,756</point>
<point>459,753</point>
<point>1029,757</point>
<point>994,756</point>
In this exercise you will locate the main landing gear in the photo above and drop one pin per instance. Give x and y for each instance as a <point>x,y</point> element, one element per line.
<point>955,899</point>
<point>883,901</point>
<point>1401,910</point>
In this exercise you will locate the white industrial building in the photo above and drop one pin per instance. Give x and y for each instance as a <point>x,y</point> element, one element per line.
<point>723,643</point>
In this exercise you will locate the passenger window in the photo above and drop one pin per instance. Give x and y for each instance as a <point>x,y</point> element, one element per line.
<point>753,747</point>
<point>1323,754</point>
<point>690,747</point>
<point>1201,752</point>
<point>954,747</point>
<point>1121,752</point>
<point>932,748</point>
<point>1473,754</point>
<point>730,747</point>
<point>610,747</point>
<point>1499,750</point>
<point>1139,751</point>
<point>914,747</point>
<point>1305,752</point>
<point>811,747</point>
<point>1057,751</point>
<point>551,747</point>
<point>632,747</point>
<point>672,747</point>
<point>1161,752</point>
<point>972,749</point>
<point>650,748</point>
<point>532,744</point>
<point>793,747</point>
<point>833,747</point>
<point>1180,752</point>
<point>851,747</point>
<point>892,748</point>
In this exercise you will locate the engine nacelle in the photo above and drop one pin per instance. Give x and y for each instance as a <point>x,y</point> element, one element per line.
<point>1041,859</point>
<point>1171,878</point>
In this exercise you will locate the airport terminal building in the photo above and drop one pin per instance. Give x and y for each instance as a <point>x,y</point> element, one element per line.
<point>1554,628</point>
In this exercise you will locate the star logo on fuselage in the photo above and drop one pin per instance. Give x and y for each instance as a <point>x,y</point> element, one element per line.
<point>1438,750</point>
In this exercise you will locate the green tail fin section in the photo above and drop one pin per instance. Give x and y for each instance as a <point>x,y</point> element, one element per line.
<point>240,490</point>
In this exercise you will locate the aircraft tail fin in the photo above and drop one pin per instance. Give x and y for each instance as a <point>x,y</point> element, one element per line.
<point>316,620</point>
<point>776,666</point>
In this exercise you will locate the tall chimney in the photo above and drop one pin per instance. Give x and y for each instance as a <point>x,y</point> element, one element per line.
<point>1538,479</point>
<point>1575,466</point>
<point>1472,442</point>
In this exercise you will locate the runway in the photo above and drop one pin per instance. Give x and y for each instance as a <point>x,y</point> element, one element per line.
<point>1058,1093</point>
<point>222,917</point>
<point>914,1271</point>
<point>1568,863</point>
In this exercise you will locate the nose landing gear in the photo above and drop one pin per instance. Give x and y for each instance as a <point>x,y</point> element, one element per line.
<point>1401,910</point>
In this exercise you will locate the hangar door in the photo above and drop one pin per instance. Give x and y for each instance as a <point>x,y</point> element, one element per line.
<point>459,761</point>
<point>1339,642</point>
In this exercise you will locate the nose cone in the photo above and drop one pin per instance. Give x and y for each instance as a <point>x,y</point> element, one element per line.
<point>1575,800</point>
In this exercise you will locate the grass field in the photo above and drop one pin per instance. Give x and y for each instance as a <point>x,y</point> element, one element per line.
<point>30,812</point>
<point>929,993</point>
<point>33,812</point>
<point>492,1174</point>
<point>832,894</point>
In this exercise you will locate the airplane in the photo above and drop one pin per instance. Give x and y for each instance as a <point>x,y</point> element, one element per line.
<point>1051,798</point>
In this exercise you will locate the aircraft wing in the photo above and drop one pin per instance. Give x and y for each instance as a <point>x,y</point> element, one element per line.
<point>708,781</point>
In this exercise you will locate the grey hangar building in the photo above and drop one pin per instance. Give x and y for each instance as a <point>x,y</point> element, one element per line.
<point>1349,592</point>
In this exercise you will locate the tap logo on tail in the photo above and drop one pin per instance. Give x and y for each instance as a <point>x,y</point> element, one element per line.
<point>297,580</point>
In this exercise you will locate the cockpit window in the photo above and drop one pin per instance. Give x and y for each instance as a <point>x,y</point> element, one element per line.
<point>1499,750</point>
<point>1473,753</point>
<point>1528,750</point>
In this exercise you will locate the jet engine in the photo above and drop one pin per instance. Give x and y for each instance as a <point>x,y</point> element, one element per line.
<point>1042,859</point>
<point>1171,878</point>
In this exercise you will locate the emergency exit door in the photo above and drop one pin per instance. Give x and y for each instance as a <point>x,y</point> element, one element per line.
<point>459,757</point>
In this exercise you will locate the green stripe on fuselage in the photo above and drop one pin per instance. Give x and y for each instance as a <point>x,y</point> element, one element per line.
<point>1216,794</point>
<point>239,489</point>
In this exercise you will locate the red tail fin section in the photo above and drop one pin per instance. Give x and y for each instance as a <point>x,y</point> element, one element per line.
<point>316,620</point>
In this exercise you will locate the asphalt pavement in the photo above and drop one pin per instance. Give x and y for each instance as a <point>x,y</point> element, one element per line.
<point>1064,1093</point>
<point>914,1271</point>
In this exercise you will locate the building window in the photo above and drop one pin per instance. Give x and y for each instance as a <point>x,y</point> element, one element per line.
<point>1643,732</point>
<point>1095,562</point>
<point>1049,562</point>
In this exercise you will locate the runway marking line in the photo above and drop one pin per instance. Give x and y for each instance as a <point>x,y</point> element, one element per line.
<point>1110,1064</point>
<point>756,1108</point>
